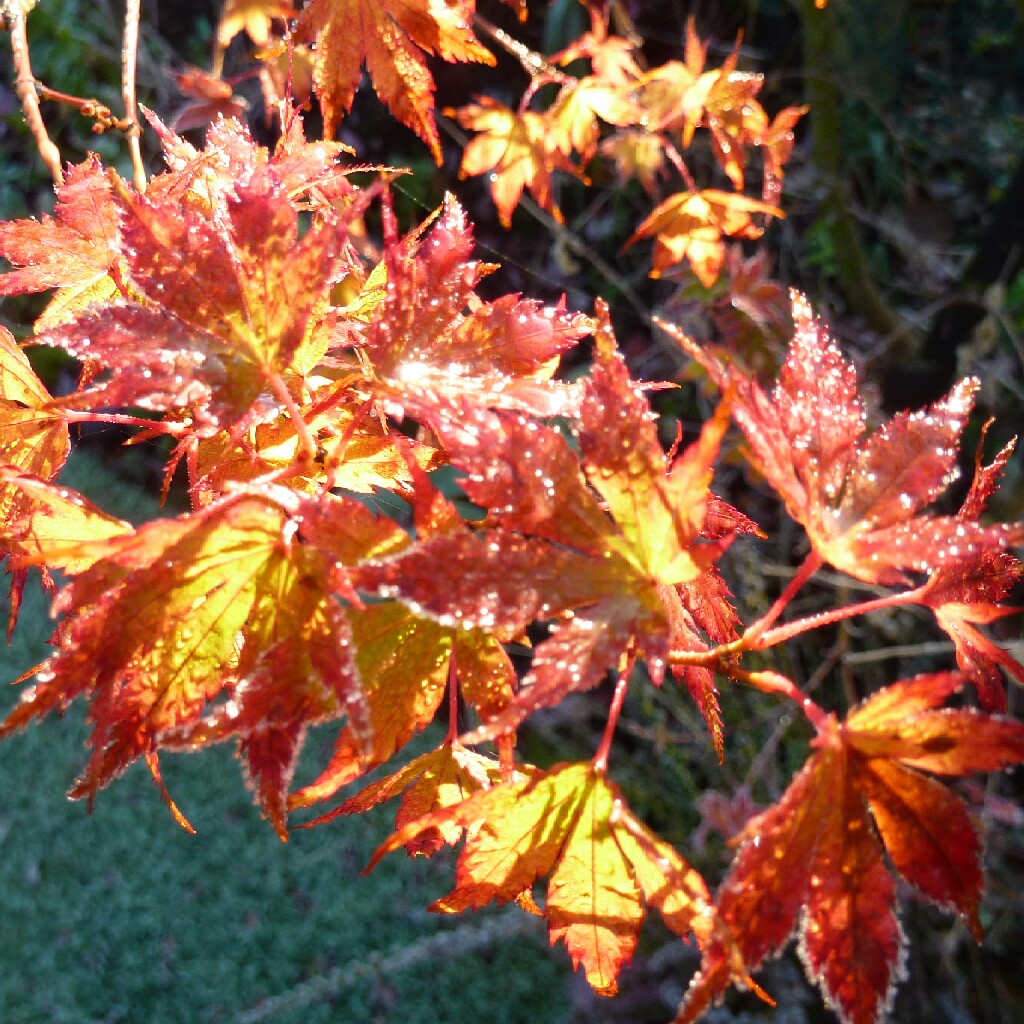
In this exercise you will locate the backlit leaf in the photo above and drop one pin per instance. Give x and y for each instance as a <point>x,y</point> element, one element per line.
<point>72,251</point>
<point>391,37</point>
<point>692,226</point>
<point>967,592</point>
<point>859,498</point>
<point>602,577</point>
<point>229,303</point>
<point>254,17</point>
<point>432,338</point>
<point>569,823</point>
<point>32,437</point>
<point>216,625</point>
<point>514,149</point>
<point>815,861</point>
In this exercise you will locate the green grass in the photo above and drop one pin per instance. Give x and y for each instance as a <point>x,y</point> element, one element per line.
<point>119,916</point>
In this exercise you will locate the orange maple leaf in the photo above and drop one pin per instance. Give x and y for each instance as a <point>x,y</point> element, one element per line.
<point>33,437</point>
<point>391,37</point>
<point>431,782</point>
<point>405,661</point>
<point>692,226</point>
<point>254,17</point>
<point>222,624</point>
<point>515,149</point>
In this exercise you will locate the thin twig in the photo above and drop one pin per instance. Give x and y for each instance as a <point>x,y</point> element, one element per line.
<point>811,564</point>
<point>129,55</point>
<point>926,649</point>
<point>25,87</point>
<point>601,757</point>
<point>780,634</point>
<point>533,62</point>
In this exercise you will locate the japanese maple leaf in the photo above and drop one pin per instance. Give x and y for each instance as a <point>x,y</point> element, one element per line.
<point>33,437</point>
<point>673,94</point>
<point>572,824</point>
<point>859,498</point>
<point>431,782</point>
<point>638,155</point>
<point>612,57</point>
<point>358,453</point>
<point>966,593</point>
<point>208,98</point>
<point>405,664</point>
<point>573,119</point>
<point>515,149</point>
<point>735,119</point>
<point>73,251</point>
<point>34,440</point>
<point>51,526</point>
<point>391,36</point>
<point>431,337</point>
<point>226,304</point>
<point>776,141</point>
<point>815,862</point>
<point>46,526</point>
<point>751,310</point>
<point>308,171</point>
<point>596,560</point>
<point>220,624</point>
<point>692,226</point>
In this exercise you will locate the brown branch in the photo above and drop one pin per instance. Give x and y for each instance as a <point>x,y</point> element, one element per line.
<point>129,56</point>
<point>25,87</point>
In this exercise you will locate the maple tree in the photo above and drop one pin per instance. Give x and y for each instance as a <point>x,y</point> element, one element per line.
<point>233,307</point>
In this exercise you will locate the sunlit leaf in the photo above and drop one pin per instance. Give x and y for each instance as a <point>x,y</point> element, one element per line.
<point>571,824</point>
<point>391,37</point>
<point>815,862</point>
<point>859,497</point>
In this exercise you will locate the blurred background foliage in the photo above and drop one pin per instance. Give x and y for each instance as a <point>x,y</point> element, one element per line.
<point>905,224</point>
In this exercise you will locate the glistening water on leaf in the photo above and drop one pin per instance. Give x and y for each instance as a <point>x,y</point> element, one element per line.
<point>313,360</point>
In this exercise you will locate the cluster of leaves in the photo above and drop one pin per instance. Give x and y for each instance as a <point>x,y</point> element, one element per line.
<point>638,120</point>
<point>231,308</point>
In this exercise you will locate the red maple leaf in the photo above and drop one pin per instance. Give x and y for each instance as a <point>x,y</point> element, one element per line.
<point>597,561</point>
<point>859,498</point>
<point>73,251</point>
<point>966,593</point>
<point>431,338</point>
<point>226,300</point>
<point>815,862</point>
